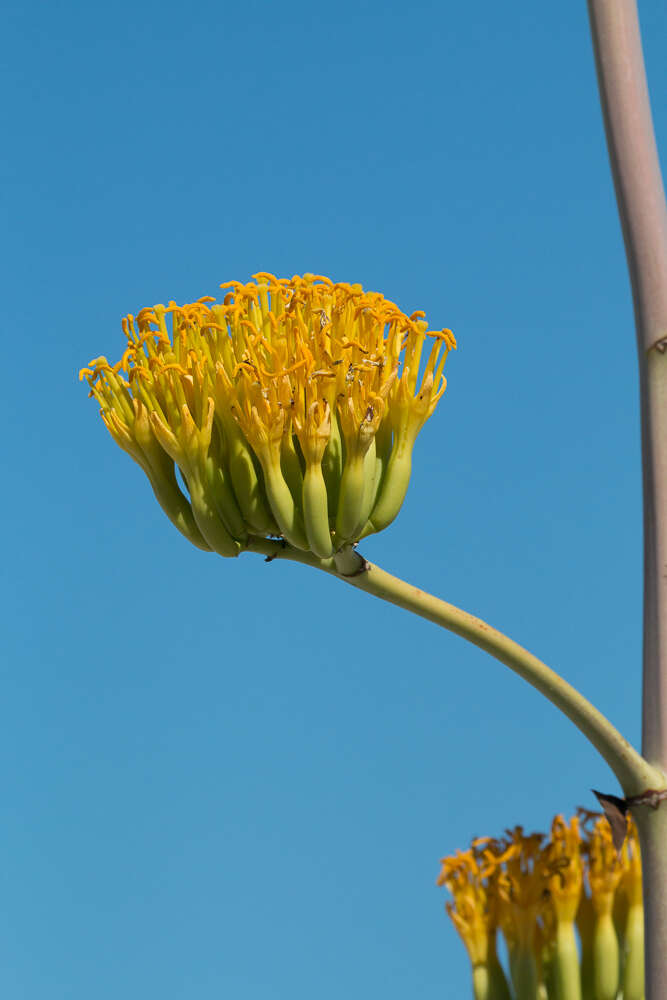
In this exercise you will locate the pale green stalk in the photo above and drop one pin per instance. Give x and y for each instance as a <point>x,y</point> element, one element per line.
<point>332,466</point>
<point>585,924</point>
<point>370,491</point>
<point>605,958</point>
<point>566,972</point>
<point>632,771</point>
<point>633,966</point>
<point>177,508</point>
<point>315,511</point>
<point>351,498</point>
<point>394,485</point>
<point>283,508</point>
<point>246,480</point>
<point>488,981</point>
<point>291,467</point>
<point>224,500</point>
<point>480,982</point>
<point>208,519</point>
<point>498,987</point>
<point>547,986</point>
<point>524,975</point>
<point>643,214</point>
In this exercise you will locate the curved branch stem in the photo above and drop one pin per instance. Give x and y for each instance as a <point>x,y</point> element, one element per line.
<point>632,771</point>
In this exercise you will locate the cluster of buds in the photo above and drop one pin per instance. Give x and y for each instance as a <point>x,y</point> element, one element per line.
<point>290,409</point>
<point>569,908</point>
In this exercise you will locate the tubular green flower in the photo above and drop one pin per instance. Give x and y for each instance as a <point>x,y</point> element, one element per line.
<point>534,888</point>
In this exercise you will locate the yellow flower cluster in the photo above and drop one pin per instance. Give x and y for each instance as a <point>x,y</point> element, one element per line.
<point>291,410</point>
<point>569,908</point>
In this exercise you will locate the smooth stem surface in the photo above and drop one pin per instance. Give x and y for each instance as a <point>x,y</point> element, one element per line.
<point>488,981</point>
<point>634,160</point>
<point>653,372</point>
<point>629,767</point>
<point>643,214</point>
<point>567,975</point>
<point>606,967</point>
<point>632,771</point>
<point>633,965</point>
<point>652,827</point>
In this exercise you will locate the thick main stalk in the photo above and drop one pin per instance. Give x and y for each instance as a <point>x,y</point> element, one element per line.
<point>643,214</point>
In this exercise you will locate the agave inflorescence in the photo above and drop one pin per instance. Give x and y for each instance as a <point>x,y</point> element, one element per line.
<point>544,893</point>
<point>291,410</point>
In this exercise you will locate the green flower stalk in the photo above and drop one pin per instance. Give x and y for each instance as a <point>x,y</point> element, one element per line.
<point>605,871</point>
<point>563,859</point>
<point>521,890</point>
<point>633,931</point>
<point>289,414</point>
<point>290,410</point>
<point>585,925</point>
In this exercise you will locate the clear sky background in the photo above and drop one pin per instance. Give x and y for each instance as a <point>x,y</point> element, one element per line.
<point>222,778</point>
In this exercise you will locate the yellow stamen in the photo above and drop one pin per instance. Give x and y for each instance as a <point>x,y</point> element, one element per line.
<point>533,888</point>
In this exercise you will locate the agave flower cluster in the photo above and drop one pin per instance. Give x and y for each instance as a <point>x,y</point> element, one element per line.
<point>290,409</point>
<point>569,908</point>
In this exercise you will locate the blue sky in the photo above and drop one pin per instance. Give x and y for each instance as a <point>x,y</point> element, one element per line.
<point>222,778</point>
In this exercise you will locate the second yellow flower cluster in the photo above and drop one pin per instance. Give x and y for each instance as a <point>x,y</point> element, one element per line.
<point>569,908</point>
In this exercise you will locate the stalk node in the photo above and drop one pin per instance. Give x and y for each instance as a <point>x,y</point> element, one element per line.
<point>350,563</point>
<point>616,810</point>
